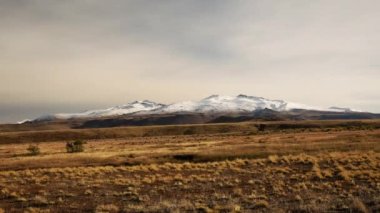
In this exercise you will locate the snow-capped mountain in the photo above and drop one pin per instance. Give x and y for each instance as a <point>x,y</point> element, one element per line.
<point>211,104</point>
<point>136,106</point>
<point>240,103</point>
<point>24,121</point>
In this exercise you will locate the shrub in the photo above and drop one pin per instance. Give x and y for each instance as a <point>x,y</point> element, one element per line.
<point>75,146</point>
<point>261,127</point>
<point>33,150</point>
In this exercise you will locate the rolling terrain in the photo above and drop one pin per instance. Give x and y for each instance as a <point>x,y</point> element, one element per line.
<point>213,109</point>
<point>259,166</point>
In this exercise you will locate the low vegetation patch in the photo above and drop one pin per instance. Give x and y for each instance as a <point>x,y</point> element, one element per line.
<point>75,146</point>
<point>234,170</point>
<point>33,150</point>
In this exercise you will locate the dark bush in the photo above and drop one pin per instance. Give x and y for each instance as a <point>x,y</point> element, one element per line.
<point>33,150</point>
<point>261,127</point>
<point>75,146</point>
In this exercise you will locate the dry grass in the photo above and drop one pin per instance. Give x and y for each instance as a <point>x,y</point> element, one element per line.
<point>181,148</point>
<point>274,171</point>
<point>229,185</point>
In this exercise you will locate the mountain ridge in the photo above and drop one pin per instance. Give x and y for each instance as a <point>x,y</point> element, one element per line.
<point>211,104</point>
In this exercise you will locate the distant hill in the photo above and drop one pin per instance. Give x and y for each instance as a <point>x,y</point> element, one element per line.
<point>213,109</point>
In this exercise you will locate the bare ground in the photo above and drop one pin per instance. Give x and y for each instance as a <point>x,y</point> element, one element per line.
<point>332,169</point>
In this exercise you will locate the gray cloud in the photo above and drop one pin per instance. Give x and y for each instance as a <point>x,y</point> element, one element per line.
<point>85,54</point>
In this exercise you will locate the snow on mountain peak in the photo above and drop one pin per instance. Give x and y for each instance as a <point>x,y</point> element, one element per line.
<point>211,104</point>
<point>24,121</point>
<point>218,103</point>
<point>132,107</point>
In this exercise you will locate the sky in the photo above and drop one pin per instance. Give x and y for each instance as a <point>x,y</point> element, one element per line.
<point>73,55</point>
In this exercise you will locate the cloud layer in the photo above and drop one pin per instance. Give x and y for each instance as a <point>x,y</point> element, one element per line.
<point>74,55</point>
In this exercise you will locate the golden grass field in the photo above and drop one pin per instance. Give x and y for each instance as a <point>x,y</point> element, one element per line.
<point>289,166</point>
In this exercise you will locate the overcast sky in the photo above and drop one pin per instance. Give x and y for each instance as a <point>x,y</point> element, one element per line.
<point>73,55</point>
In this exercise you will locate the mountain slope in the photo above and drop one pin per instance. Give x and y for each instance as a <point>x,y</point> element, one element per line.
<point>240,103</point>
<point>129,108</point>
<point>214,104</point>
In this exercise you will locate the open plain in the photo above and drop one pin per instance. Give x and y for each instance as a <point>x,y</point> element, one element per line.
<point>287,166</point>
